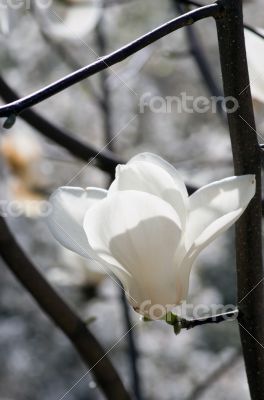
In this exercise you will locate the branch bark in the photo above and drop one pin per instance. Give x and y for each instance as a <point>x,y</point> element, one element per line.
<point>247,160</point>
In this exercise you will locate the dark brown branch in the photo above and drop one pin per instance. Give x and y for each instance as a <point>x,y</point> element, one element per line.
<point>247,160</point>
<point>12,109</point>
<point>52,304</point>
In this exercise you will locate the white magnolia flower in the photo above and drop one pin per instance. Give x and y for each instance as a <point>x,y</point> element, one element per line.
<point>145,228</point>
<point>255,56</point>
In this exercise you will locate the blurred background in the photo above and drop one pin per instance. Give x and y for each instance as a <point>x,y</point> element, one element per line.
<point>40,43</point>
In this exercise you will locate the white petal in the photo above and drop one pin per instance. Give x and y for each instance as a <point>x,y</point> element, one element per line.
<point>157,160</point>
<point>138,233</point>
<point>216,201</point>
<point>213,209</point>
<point>69,205</point>
<point>149,173</point>
<point>255,56</point>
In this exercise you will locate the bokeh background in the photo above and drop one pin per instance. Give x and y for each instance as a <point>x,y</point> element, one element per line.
<point>38,46</point>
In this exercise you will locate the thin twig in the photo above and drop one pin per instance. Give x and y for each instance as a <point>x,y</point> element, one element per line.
<point>215,319</point>
<point>180,323</point>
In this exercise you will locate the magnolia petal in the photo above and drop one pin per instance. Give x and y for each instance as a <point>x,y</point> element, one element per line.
<point>157,160</point>
<point>212,202</point>
<point>69,205</point>
<point>255,51</point>
<point>214,209</point>
<point>138,233</point>
<point>208,236</point>
<point>149,173</point>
